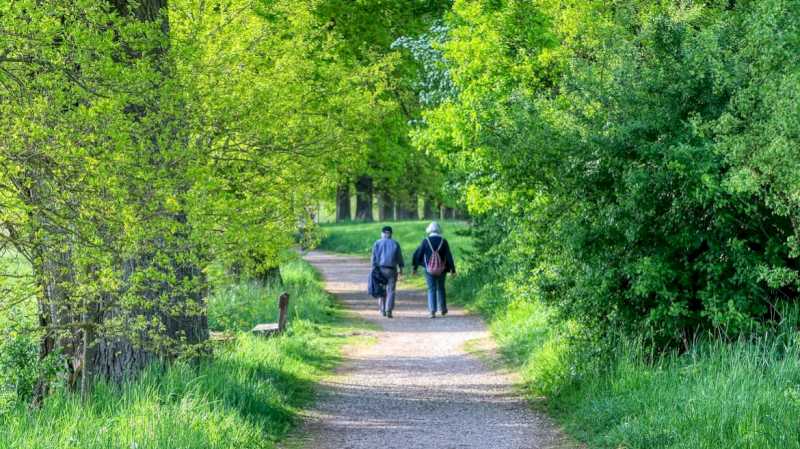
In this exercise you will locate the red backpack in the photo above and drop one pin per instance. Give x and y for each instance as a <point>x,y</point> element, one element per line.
<point>435,265</point>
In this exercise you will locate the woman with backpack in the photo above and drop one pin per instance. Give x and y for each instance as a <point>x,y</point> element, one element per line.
<point>434,254</point>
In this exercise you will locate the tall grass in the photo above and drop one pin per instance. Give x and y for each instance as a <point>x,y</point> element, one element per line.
<point>240,306</point>
<point>720,395</point>
<point>246,395</point>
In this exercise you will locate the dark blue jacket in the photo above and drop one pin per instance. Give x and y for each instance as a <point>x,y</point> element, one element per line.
<point>376,286</point>
<point>424,251</point>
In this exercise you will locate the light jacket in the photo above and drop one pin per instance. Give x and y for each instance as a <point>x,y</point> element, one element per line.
<point>386,253</point>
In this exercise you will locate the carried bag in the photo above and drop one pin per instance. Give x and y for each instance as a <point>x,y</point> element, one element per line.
<point>376,287</point>
<point>435,265</point>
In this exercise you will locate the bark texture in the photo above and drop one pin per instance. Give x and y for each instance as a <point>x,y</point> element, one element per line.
<point>386,207</point>
<point>364,198</point>
<point>408,209</point>
<point>343,212</point>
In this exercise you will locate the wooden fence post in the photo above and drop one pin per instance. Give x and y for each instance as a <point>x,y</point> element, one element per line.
<point>269,329</point>
<point>283,310</point>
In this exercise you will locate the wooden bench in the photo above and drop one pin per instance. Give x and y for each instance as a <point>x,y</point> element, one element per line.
<point>270,329</point>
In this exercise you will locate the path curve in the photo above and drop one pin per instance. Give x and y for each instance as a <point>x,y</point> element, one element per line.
<point>417,387</point>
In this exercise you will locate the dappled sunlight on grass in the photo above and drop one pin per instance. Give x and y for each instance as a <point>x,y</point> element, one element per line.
<point>248,394</point>
<point>720,395</point>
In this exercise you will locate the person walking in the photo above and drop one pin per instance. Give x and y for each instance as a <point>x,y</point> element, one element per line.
<point>434,254</point>
<point>388,258</point>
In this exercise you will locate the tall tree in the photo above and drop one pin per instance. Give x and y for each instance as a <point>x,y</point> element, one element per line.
<point>364,198</point>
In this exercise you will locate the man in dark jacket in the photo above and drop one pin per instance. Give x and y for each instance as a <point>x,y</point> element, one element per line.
<point>388,258</point>
<point>437,298</point>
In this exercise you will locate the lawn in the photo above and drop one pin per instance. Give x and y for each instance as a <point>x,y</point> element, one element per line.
<point>357,238</point>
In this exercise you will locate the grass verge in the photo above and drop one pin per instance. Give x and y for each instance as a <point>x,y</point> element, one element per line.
<point>743,394</point>
<point>246,396</point>
<point>720,395</point>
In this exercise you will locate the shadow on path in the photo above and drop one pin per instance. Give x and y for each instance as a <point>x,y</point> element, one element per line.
<point>417,386</point>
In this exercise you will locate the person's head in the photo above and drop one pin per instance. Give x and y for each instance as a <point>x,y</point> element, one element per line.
<point>433,228</point>
<point>386,231</point>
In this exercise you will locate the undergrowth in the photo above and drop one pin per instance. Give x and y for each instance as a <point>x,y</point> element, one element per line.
<point>247,394</point>
<point>737,394</point>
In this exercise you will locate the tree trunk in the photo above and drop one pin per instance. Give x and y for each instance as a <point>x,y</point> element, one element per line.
<point>364,194</point>
<point>343,203</point>
<point>54,272</point>
<point>430,209</point>
<point>102,334</point>
<point>447,213</point>
<point>174,310</point>
<point>385,207</point>
<point>235,270</point>
<point>408,209</point>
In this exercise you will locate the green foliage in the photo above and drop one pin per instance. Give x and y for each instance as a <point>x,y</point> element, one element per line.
<point>19,352</point>
<point>365,32</point>
<point>632,160</point>
<point>18,369</point>
<point>241,306</point>
<point>247,394</point>
<point>142,144</point>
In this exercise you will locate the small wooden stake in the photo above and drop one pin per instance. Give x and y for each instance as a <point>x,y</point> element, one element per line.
<point>268,329</point>
<point>283,311</point>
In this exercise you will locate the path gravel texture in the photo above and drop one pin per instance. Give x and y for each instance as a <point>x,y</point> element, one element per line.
<point>417,386</point>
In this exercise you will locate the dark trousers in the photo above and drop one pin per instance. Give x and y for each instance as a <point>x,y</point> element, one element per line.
<point>386,304</point>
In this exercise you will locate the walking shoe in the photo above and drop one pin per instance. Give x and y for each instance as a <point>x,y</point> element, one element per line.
<point>433,314</point>
<point>383,312</point>
<point>389,315</point>
<point>444,313</point>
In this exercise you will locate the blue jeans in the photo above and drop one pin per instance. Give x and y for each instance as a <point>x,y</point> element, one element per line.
<point>436,293</point>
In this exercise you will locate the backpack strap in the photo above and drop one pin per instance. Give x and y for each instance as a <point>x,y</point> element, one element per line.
<point>431,244</point>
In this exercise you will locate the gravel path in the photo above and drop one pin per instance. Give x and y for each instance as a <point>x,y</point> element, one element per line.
<point>417,387</point>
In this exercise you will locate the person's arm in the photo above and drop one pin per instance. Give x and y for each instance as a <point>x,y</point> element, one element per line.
<point>375,254</point>
<point>449,260</point>
<point>400,262</point>
<point>416,258</point>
